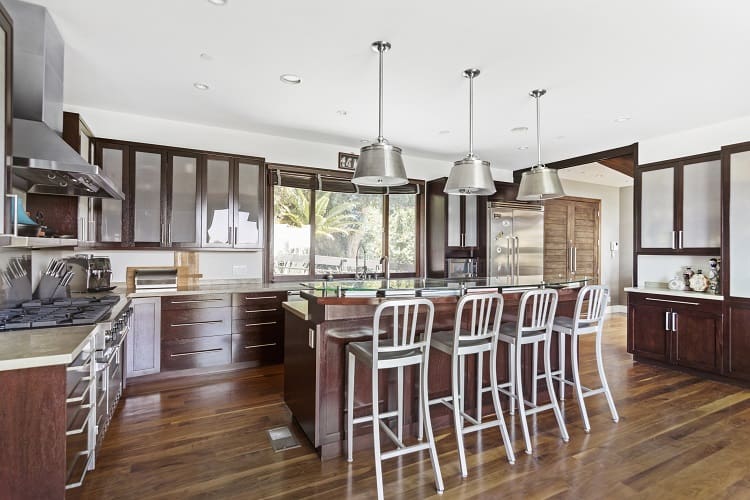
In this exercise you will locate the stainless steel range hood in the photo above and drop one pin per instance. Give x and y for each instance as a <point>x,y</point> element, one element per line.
<point>42,161</point>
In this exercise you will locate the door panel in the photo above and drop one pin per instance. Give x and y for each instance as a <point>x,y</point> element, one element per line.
<point>738,339</point>
<point>248,225</point>
<point>657,208</point>
<point>217,223</point>
<point>470,220</point>
<point>701,208</point>
<point>113,161</point>
<point>650,337</point>
<point>147,206</point>
<point>557,261</point>
<point>500,249</point>
<point>697,340</point>
<point>739,229</point>
<point>585,242</point>
<point>454,220</point>
<point>184,201</point>
<point>528,229</point>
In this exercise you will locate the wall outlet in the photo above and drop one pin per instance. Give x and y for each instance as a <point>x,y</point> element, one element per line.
<point>240,270</point>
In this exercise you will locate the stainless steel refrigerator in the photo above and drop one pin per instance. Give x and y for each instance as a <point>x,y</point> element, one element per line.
<point>516,242</point>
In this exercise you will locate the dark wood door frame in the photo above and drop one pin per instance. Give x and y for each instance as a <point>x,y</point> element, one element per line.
<point>631,150</point>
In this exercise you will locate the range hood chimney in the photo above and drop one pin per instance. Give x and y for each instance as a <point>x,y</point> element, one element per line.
<point>42,161</point>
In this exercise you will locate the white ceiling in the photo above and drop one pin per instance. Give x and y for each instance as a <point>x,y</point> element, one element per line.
<point>670,65</point>
<point>596,173</point>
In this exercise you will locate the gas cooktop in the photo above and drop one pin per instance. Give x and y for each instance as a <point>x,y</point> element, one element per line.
<point>60,312</point>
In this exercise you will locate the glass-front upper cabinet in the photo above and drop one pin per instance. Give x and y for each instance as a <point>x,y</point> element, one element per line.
<point>462,220</point>
<point>233,209</point>
<point>680,207</point>
<point>113,158</point>
<point>149,227</point>
<point>6,64</point>
<point>183,201</point>
<point>739,229</point>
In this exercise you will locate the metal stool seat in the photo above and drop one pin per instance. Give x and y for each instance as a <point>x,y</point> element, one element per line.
<point>404,348</point>
<point>530,329</point>
<point>480,337</point>
<point>585,322</point>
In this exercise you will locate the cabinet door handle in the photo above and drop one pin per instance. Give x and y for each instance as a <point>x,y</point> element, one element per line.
<point>674,301</point>
<point>229,235</point>
<point>674,242</point>
<point>679,239</point>
<point>261,324</point>
<point>666,321</point>
<point>261,298</point>
<point>235,235</point>
<point>190,353</point>
<point>260,310</point>
<point>575,259</point>
<point>169,233</point>
<point>258,345</point>
<point>198,323</point>
<point>193,301</point>
<point>674,321</point>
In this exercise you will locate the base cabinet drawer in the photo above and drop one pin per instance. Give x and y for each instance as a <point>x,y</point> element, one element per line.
<point>258,300</point>
<point>196,353</point>
<point>263,348</point>
<point>200,301</point>
<point>192,323</point>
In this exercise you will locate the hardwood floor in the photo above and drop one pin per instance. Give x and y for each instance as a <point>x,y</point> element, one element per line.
<point>679,436</point>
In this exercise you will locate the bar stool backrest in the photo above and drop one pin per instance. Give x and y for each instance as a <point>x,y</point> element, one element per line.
<point>484,307</point>
<point>591,306</point>
<point>541,314</point>
<point>405,315</point>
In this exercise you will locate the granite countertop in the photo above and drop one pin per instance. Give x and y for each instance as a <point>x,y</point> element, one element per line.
<point>223,287</point>
<point>298,308</point>
<point>42,347</point>
<point>675,293</point>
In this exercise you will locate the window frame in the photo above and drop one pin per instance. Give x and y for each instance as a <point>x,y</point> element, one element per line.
<point>311,275</point>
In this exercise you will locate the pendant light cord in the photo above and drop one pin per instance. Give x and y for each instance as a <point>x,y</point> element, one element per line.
<point>538,133</point>
<point>471,116</point>
<point>380,97</point>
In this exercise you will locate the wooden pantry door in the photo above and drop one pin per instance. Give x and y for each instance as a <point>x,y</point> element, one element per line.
<point>571,239</point>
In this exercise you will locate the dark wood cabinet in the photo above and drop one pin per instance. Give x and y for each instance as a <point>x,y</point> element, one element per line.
<point>677,330</point>
<point>191,323</point>
<point>737,338</point>
<point>258,327</point>
<point>201,352</point>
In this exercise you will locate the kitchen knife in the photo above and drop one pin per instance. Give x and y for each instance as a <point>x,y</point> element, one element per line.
<point>49,266</point>
<point>20,268</point>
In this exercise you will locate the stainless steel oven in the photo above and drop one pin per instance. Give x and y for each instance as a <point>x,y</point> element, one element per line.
<point>461,268</point>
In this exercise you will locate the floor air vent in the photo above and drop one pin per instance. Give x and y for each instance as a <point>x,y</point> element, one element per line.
<point>282,439</point>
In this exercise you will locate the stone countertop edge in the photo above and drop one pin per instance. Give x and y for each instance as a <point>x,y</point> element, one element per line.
<point>209,288</point>
<point>674,293</point>
<point>42,347</point>
<point>298,308</point>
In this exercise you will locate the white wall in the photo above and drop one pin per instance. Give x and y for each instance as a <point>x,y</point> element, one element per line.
<point>694,141</point>
<point>662,268</point>
<point>608,230</point>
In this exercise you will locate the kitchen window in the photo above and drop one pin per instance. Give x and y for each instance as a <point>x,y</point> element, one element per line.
<point>324,225</point>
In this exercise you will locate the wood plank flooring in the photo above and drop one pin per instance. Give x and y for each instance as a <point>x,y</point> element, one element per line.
<point>679,436</point>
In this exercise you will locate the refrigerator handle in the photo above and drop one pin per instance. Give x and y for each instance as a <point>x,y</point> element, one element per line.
<point>507,256</point>
<point>518,265</point>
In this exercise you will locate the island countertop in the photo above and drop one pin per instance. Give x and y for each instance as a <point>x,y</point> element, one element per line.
<point>42,347</point>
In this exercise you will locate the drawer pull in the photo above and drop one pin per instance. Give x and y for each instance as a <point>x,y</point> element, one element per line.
<point>193,301</point>
<point>178,354</point>
<point>674,301</point>
<point>198,323</point>
<point>262,298</point>
<point>260,310</point>
<point>258,345</point>
<point>261,324</point>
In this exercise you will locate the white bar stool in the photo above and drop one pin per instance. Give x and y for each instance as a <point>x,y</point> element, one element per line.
<point>481,337</point>
<point>406,348</point>
<point>591,321</point>
<point>531,329</point>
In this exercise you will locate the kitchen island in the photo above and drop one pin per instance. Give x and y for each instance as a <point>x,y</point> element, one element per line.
<point>333,314</point>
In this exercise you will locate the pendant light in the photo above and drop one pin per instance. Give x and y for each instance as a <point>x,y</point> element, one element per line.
<point>380,163</point>
<point>470,175</point>
<point>539,183</point>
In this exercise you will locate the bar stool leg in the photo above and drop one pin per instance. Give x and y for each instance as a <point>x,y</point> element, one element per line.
<point>534,372</point>
<point>376,433</point>
<point>512,377</point>
<point>425,404</point>
<point>480,360</point>
<point>420,416</point>
<point>498,410</point>
<point>519,396</point>
<point>350,360</point>
<point>551,390</point>
<point>400,404</point>
<point>577,381</point>
<point>561,363</point>
<point>603,378</point>
<point>462,385</point>
<point>457,418</point>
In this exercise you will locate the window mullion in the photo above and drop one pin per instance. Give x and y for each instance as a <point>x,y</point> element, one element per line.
<point>313,226</point>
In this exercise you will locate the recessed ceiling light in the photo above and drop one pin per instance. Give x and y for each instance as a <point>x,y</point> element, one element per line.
<point>201,86</point>
<point>342,112</point>
<point>218,2</point>
<point>522,148</point>
<point>444,132</point>
<point>519,130</point>
<point>365,141</point>
<point>290,79</point>
<point>206,56</point>
<point>622,119</point>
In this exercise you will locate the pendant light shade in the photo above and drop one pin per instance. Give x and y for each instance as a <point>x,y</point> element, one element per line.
<point>539,183</point>
<point>380,163</point>
<point>470,175</point>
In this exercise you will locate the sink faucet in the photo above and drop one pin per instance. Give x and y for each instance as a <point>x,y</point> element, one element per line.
<point>363,273</point>
<point>386,267</point>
